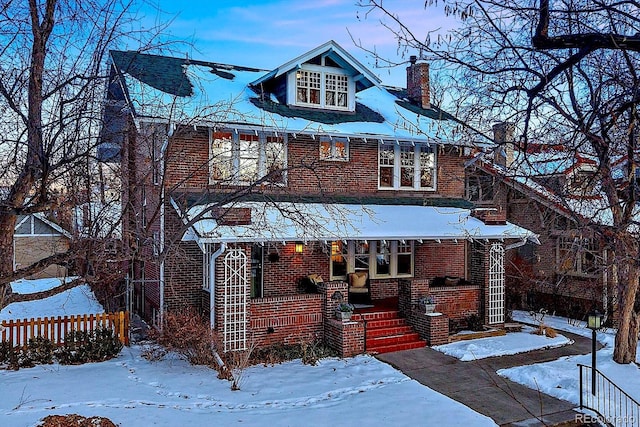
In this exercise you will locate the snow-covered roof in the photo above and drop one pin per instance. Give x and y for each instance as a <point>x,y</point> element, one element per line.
<point>330,48</point>
<point>183,91</point>
<point>288,221</point>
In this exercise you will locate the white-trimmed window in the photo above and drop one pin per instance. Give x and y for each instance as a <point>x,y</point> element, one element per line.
<point>577,256</point>
<point>308,87</point>
<point>380,258</point>
<point>336,149</point>
<point>406,167</point>
<point>243,158</point>
<point>318,86</point>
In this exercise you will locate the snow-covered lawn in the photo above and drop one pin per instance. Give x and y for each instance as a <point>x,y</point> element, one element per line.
<point>511,343</point>
<point>79,300</point>
<point>133,391</point>
<point>560,377</point>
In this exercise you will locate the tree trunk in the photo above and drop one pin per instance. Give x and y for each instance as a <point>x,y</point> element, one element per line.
<point>628,320</point>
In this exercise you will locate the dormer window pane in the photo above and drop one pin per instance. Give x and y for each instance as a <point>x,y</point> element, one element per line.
<point>337,88</point>
<point>308,87</point>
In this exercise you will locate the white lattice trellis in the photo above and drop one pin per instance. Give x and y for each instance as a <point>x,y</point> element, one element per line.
<point>235,300</point>
<point>496,284</point>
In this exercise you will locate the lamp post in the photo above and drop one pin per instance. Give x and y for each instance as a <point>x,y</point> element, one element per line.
<point>594,322</point>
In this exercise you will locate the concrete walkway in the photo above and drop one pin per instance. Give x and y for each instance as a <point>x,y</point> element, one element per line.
<point>476,384</point>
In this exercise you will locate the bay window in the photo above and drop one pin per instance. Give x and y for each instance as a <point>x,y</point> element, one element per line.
<point>243,158</point>
<point>406,167</point>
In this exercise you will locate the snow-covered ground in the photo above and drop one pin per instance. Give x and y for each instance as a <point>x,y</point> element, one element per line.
<point>133,391</point>
<point>511,343</point>
<point>79,300</point>
<point>560,377</point>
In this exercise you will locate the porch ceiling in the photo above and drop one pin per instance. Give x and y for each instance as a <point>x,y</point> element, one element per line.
<point>287,221</point>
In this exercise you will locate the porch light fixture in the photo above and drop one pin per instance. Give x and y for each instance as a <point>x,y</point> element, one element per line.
<point>299,247</point>
<point>594,322</point>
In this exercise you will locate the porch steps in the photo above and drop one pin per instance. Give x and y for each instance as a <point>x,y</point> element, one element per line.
<point>387,332</point>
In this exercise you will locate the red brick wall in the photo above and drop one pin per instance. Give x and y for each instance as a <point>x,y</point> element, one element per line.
<point>345,337</point>
<point>308,175</point>
<point>282,277</point>
<point>434,259</point>
<point>287,319</point>
<point>434,328</point>
<point>457,302</point>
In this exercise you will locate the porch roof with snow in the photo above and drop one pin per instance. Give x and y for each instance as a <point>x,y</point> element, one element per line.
<point>288,221</point>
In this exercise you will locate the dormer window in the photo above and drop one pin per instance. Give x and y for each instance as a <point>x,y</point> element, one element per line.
<point>323,87</point>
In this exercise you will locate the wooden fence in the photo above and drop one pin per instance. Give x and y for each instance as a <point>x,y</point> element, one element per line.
<point>18,332</point>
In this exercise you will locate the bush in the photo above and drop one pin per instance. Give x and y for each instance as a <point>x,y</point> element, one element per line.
<point>309,352</point>
<point>39,351</point>
<point>474,322</point>
<point>94,346</point>
<point>188,334</point>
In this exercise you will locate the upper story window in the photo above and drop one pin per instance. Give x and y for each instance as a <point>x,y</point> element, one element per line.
<point>406,167</point>
<point>479,187</point>
<point>244,158</point>
<point>323,87</point>
<point>334,149</point>
<point>577,256</point>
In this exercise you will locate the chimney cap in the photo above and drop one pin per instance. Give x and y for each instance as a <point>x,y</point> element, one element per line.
<point>413,59</point>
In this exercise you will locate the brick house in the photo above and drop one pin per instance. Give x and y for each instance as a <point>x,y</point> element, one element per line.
<point>549,194</point>
<point>267,197</point>
<point>36,238</point>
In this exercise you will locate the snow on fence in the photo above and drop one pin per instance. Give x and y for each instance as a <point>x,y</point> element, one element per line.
<point>18,332</point>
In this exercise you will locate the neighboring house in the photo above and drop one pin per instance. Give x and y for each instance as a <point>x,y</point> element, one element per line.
<point>548,190</point>
<point>36,238</point>
<point>266,197</point>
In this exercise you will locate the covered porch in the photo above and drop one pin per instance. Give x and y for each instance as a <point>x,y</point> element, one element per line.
<point>274,272</point>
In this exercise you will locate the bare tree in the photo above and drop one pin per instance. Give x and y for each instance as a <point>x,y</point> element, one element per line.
<point>52,79</point>
<point>565,72</point>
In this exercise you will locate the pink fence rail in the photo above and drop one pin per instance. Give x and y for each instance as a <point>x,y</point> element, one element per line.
<point>18,332</point>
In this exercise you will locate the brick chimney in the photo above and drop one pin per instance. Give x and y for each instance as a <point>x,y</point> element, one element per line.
<point>503,137</point>
<point>418,82</point>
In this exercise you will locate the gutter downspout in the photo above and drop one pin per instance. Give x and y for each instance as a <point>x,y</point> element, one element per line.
<point>161,164</point>
<point>212,287</point>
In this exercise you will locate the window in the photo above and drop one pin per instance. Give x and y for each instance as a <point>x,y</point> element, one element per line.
<point>334,149</point>
<point>322,87</point>
<point>381,258</point>
<point>243,158</point>
<point>577,255</point>
<point>336,90</point>
<point>339,256</point>
<point>307,87</point>
<point>406,167</point>
<point>479,188</point>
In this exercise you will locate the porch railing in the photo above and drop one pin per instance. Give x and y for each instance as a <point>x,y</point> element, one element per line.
<point>613,405</point>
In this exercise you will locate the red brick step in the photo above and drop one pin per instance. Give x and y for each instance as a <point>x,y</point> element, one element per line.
<point>387,332</point>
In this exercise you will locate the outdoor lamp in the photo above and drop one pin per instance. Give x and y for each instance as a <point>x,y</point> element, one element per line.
<point>299,247</point>
<point>594,322</point>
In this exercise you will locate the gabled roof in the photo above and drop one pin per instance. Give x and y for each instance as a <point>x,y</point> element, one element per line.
<point>332,50</point>
<point>38,225</point>
<point>211,94</point>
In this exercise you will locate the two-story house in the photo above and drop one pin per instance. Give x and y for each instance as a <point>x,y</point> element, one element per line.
<point>267,197</point>
<point>551,191</point>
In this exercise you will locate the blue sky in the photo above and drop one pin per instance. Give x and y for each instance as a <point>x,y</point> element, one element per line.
<point>268,33</point>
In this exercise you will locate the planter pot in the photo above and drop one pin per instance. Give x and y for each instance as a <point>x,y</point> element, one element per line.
<point>344,315</point>
<point>429,308</point>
